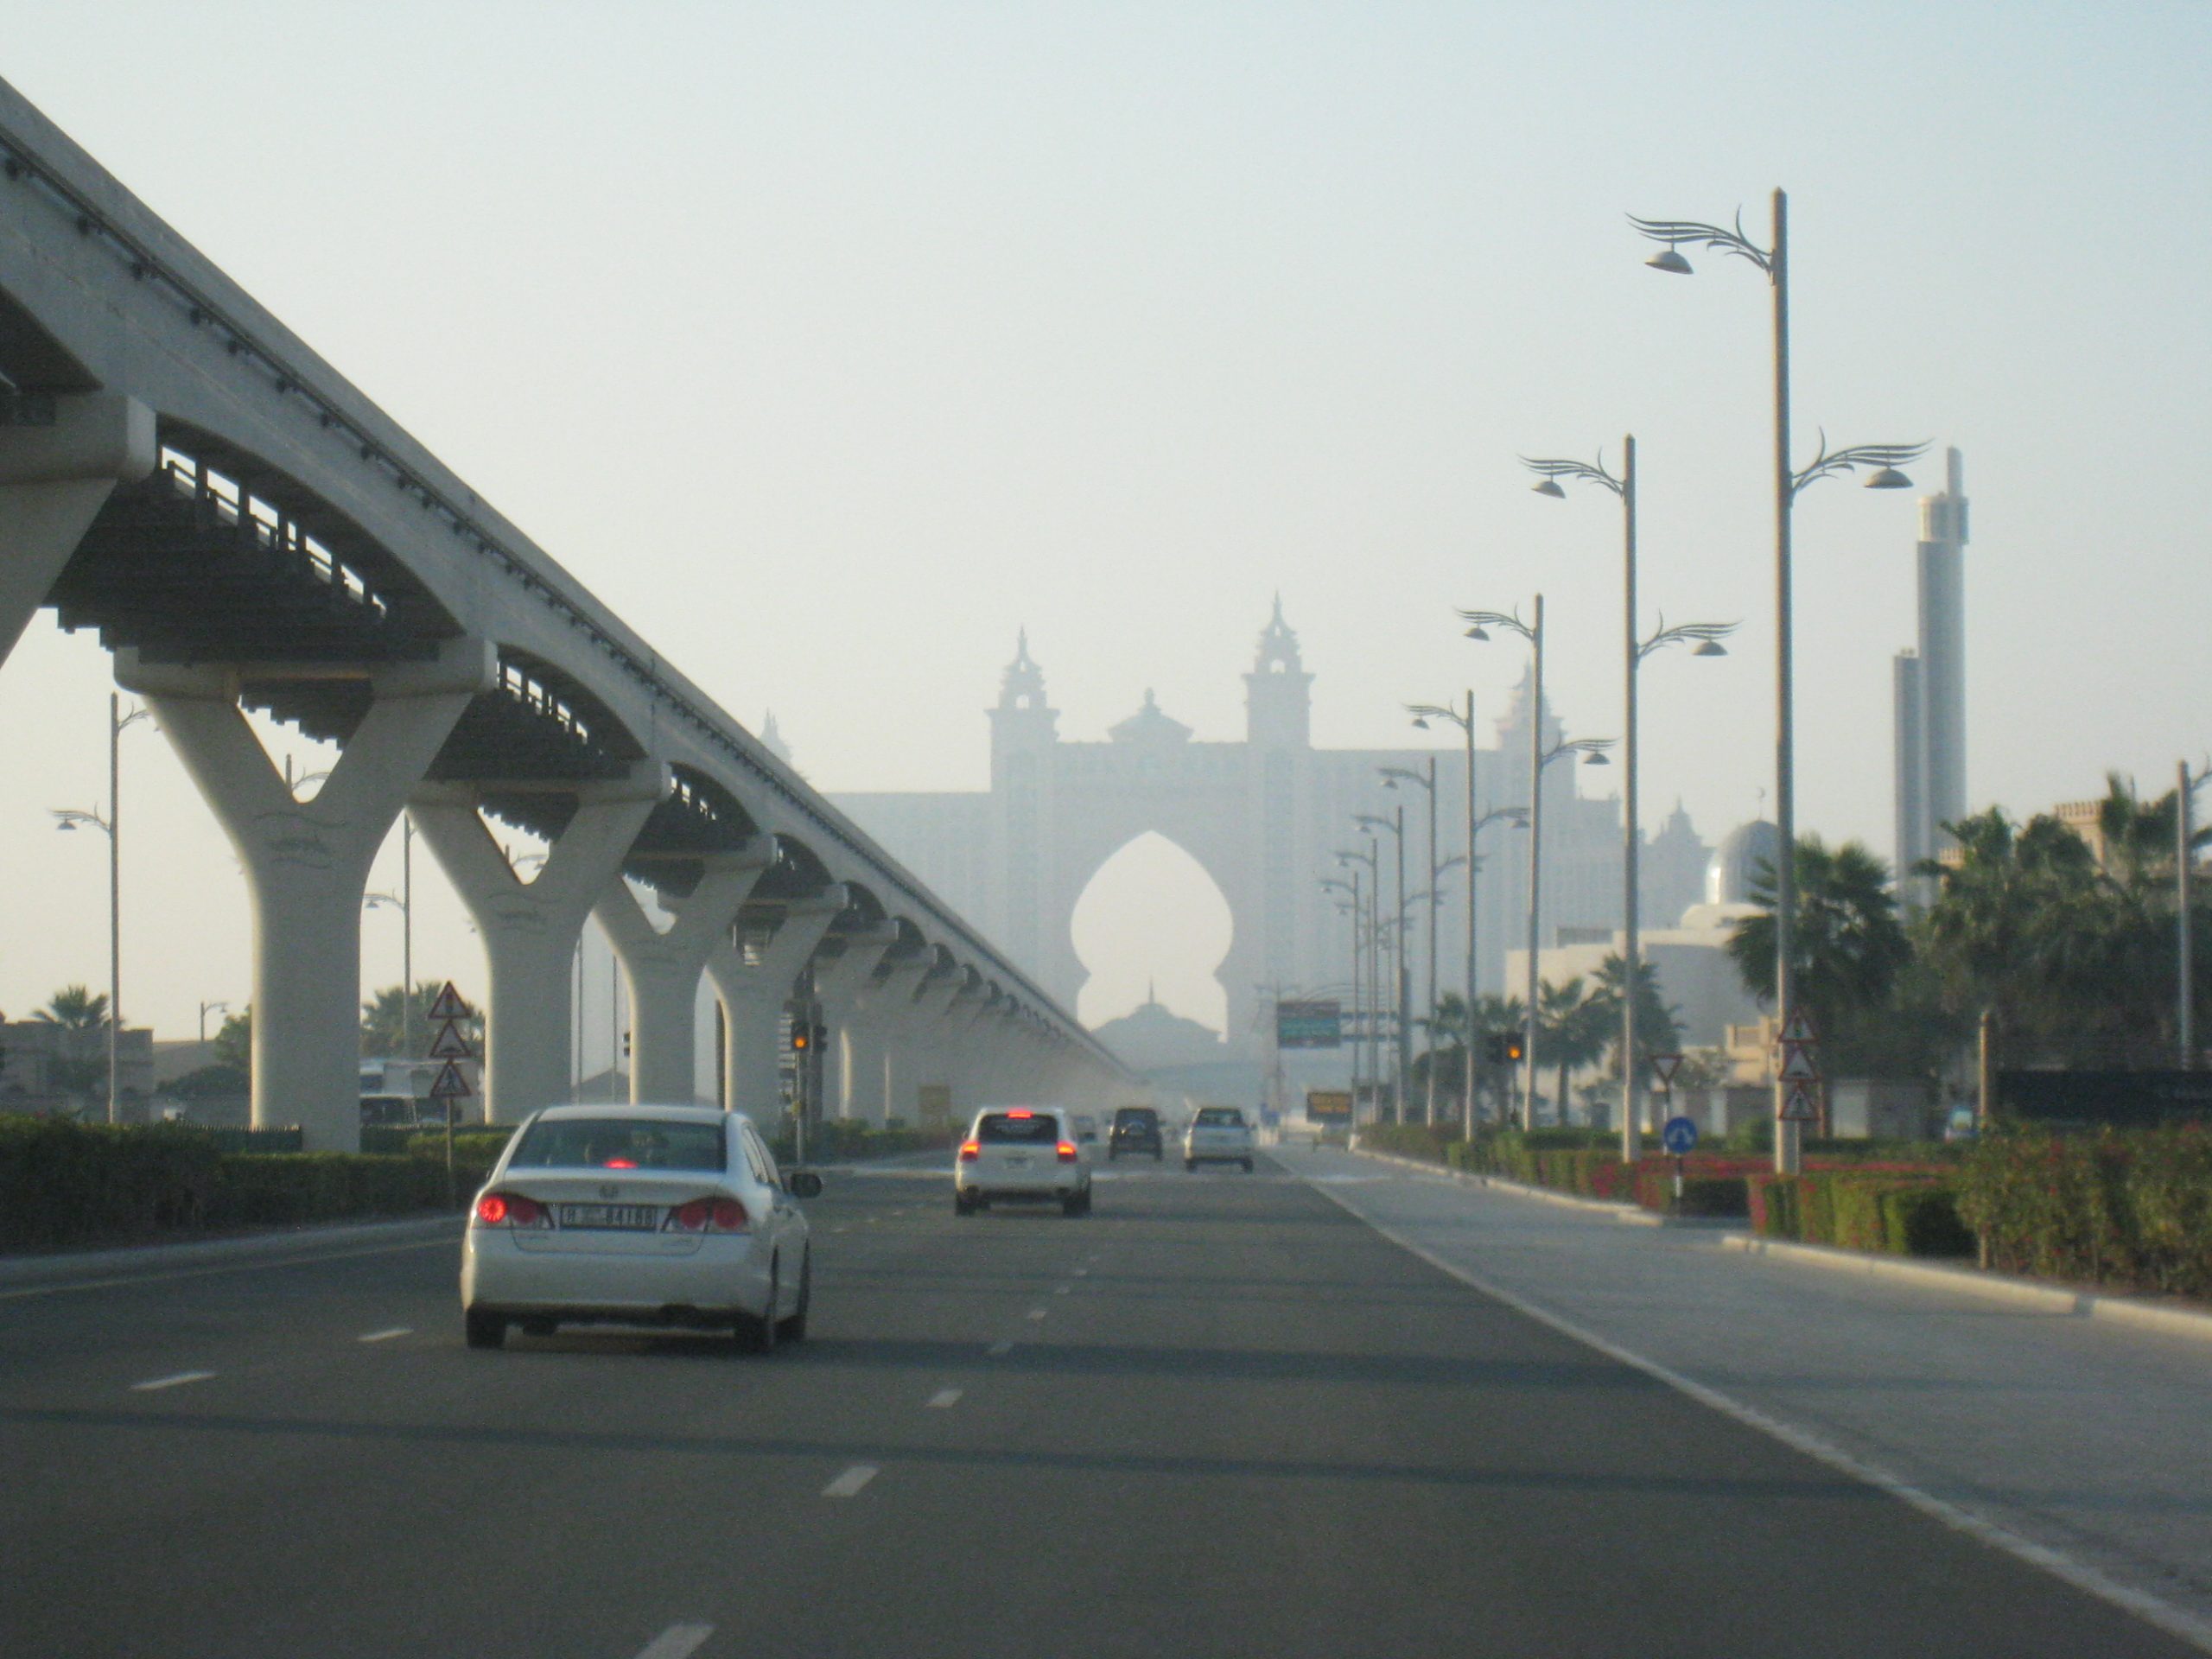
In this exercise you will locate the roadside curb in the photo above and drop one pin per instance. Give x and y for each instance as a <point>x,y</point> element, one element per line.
<point>1628,1214</point>
<point>65,1267</point>
<point>2116,1310</point>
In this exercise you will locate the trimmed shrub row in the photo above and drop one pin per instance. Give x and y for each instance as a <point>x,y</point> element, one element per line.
<point>2131,1209</point>
<point>848,1139</point>
<point>1895,1214</point>
<point>63,1182</point>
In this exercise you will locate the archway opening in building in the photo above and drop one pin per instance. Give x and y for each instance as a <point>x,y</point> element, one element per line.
<point>1152,924</point>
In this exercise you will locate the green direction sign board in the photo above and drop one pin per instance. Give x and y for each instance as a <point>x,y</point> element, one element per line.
<point>1309,1025</point>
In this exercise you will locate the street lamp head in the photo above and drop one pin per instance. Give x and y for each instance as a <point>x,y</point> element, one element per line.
<point>1477,632</point>
<point>1710,648</point>
<point>1420,722</point>
<point>68,826</point>
<point>1669,260</point>
<point>1596,757</point>
<point>1888,478</point>
<point>1549,486</point>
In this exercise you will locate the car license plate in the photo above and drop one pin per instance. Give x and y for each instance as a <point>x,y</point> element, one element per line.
<point>1017,1160</point>
<point>627,1217</point>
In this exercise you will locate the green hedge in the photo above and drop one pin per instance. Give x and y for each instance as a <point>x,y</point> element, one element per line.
<point>2131,1209</point>
<point>63,1183</point>
<point>1891,1214</point>
<point>848,1139</point>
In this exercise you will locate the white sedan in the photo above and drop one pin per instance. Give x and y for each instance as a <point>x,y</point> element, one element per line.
<point>1218,1134</point>
<point>637,1215</point>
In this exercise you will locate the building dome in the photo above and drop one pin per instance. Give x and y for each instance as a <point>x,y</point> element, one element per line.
<point>1745,859</point>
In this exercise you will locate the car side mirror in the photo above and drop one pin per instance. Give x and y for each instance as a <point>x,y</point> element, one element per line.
<point>803,1183</point>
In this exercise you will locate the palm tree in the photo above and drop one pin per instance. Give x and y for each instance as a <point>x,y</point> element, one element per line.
<point>1570,1031</point>
<point>75,1008</point>
<point>1658,1029</point>
<point>1848,944</point>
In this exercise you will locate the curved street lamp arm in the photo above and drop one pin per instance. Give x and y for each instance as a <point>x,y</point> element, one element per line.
<point>1829,462</point>
<point>1369,822</point>
<point>1703,634</point>
<point>1502,814</point>
<point>1555,470</point>
<point>69,818</point>
<point>1576,745</point>
<point>1673,231</point>
<point>1409,775</point>
<point>1499,620</point>
<point>1437,711</point>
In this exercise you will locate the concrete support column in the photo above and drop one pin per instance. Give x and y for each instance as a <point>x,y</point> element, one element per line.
<point>752,997</point>
<point>54,480</point>
<point>307,863</point>
<point>530,928</point>
<point>840,983</point>
<point>924,1057</point>
<point>887,1017</point>
<point>662,970</point>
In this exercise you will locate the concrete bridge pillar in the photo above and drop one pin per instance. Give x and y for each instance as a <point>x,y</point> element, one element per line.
<point>307,863</point>
<point>752,997</point>
<point>662,970</point>
<point>53,480</point>
<point>886,1024</point>
<point>921,1058</point>
<point>530,929</point>
<point>840,983</point>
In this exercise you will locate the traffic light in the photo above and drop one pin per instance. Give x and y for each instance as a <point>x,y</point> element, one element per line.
<point>802,1038</point>
<point>1513,1050</point>
<point>626,1044</point>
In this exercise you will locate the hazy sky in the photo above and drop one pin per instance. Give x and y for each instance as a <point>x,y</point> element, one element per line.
<point>831,343</point>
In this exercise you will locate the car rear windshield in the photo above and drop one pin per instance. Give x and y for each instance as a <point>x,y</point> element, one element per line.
<point>1220,1117</point>
<point>1017,1128</point>
<point>1141,1117</point>
<point>619,1143</point>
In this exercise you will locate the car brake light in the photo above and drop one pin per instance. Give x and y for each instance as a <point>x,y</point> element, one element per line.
<point>707,1216</point>
<point>511,1209</point>
<point>619,1163</point>
<point>1021,1113</point>
<point>971,1150</point>
<point>1067,1151</point>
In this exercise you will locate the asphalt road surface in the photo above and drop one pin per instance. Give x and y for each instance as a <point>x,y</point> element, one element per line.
<point>1219,1416</point>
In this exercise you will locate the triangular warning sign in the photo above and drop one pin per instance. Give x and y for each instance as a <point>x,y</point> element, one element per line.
<point>448,1005</point>
<point>1797,1065</point>
<point>1798,1106</point>
<point>1802,1028</point>
<point>449,1044</point>
<point>1665,1065</point>
<point>450,1085</point>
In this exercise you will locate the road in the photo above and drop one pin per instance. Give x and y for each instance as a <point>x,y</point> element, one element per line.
<point>1220,1416</point>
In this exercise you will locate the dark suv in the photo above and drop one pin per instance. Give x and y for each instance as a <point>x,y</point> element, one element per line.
<point>1136,1128</point>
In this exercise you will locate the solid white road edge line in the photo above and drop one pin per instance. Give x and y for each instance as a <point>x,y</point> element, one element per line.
<point>273,1262</point>
<point>945,1397</point>
<point>2174,1621</point>
<point>177,1381</point>
<point>386,1336</point>
<point>849,1483</point>
<point>676,1642</point>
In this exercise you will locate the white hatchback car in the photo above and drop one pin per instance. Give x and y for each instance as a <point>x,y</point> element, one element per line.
<point>1021,1152</point>
<point>637,1215</point>
<point>1218,1134</point>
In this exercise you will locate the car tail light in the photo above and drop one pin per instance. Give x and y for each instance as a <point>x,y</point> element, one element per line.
<point>707,1216</point>
<point>1022,1112</point>
<point>970,1151</point>
<point>1067,1151</point>
<point>511,1209</point>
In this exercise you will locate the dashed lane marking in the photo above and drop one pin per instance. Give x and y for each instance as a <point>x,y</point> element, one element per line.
<point>1035,1314</point>
<point>849,1483</point>
<point>943,1398</point>
<point>176,1380</point>
<point>1062,1290</point>
<point>1001,1348</point>
<point>676,1642</point>
<point>386,1336</point>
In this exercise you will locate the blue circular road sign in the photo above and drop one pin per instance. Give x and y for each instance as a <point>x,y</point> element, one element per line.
<point>1679,1136</point>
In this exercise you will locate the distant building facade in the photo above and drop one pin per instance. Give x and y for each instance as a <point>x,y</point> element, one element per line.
<point>1264,817</point>
<point>47,1068</point>
<point>1930,693</point>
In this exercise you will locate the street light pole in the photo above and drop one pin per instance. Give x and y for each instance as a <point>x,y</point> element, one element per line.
<point>1373,1035</point>
<point>2184,878</point>
<point>68,819</point>
<point>1886,460</point>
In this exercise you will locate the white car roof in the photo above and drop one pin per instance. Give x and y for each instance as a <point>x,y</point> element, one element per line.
<point>694,1114</point>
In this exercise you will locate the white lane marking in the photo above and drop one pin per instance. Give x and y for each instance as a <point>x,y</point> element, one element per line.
<point>2174,1621</point>
<point>1062,1290</point>
<point>849,1483</point>
<point>945,1397</point>
<point>113,1280</point>
<point>176,1381</point>
<point>1036,1313</point>
<point>386,1336</point>
<point>1082,1272</point>
<point>676,1642</point>
<point>841,1230</point>
<point>1000,1349</point>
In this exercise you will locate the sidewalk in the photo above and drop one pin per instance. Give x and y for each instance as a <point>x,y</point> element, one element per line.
<point>2086,1438</point>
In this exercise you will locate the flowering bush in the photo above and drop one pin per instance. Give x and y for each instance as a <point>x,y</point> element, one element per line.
<point>2131,1209</point>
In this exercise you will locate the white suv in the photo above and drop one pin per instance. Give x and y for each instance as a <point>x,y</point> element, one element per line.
<point>1020,1152</point>
<point>1218,1134</point>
